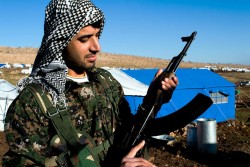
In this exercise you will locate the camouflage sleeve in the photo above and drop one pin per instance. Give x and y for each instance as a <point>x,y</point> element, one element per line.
<point>125,115</point>
<point>26,129</point>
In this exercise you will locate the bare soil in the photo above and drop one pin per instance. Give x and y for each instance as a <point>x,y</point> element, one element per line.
<point>233,136</point>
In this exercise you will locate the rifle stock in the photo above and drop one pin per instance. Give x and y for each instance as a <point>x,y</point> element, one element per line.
<point>155,93</point>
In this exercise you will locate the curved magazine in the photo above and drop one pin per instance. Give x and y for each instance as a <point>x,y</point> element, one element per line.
<point>180,118</point>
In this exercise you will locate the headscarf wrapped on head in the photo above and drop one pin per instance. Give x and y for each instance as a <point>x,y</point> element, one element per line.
<point>63,20</point>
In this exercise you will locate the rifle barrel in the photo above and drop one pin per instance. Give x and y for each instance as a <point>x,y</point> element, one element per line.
<point>174,63</point>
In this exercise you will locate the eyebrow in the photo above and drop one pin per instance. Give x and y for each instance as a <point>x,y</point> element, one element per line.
<point>85,36</point>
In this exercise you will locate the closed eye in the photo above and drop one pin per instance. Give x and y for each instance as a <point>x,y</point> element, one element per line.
<point>84,38</point>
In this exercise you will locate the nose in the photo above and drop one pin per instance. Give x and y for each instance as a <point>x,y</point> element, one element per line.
<point>95,45</point>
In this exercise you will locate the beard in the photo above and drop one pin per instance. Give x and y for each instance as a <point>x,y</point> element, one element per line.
<point>80,68</point>
<point>78,64</point>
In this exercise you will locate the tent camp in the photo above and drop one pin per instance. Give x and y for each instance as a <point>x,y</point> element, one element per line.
<point>191,82</point>
<point>5,65</point>
<point>135,83</point>
<point>8,93</point>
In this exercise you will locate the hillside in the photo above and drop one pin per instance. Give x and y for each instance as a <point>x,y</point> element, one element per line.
<point>27,56</point>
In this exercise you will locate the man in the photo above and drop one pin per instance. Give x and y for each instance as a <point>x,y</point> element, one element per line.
<point>65,71</point>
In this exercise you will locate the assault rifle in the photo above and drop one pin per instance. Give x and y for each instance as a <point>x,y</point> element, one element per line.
<point>155,98</point>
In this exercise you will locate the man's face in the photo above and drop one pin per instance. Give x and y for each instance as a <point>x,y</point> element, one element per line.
<point>80,54</point>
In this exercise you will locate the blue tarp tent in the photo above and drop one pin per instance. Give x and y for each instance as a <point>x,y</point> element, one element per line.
<point>191,82</point>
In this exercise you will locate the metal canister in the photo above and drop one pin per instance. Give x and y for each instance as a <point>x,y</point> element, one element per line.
<point>191,140</point>
<point>207,135</point>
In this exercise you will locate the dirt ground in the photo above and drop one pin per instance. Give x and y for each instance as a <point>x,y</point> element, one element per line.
<point>233,149</point>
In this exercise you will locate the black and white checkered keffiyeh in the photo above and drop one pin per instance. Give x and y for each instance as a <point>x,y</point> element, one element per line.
<point>63,20</point>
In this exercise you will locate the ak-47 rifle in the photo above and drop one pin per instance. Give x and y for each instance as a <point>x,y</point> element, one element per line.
<point>150,108</point>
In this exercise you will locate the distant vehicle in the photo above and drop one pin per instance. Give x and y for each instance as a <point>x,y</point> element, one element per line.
<point>244,83</point>
<point>242,70</point>
<point>226,69</point>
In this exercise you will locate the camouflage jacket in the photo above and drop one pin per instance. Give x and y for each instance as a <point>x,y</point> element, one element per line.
<point>93,108</point>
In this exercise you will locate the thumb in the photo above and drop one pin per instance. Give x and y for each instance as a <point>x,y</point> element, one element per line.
<point>158,72</point>
<point>135,149</point>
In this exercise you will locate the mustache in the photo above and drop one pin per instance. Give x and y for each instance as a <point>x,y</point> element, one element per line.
<point>90,55</point>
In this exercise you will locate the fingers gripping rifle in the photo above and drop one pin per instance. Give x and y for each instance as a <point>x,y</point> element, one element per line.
<point>153,100</point>
<point>155,93</point>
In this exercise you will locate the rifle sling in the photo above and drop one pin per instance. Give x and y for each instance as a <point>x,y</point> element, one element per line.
<point>59,117</point>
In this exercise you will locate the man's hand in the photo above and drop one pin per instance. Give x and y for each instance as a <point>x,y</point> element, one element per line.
<point>131,161</point>
<point>168,84</point>
<point>160,91</point>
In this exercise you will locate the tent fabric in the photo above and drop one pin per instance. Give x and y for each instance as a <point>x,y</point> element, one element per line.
<point>130,85</point>
<point>188,78</point>
<point>8,93</point>
<point>191,82</point>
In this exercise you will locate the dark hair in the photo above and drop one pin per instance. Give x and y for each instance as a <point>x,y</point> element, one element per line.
<point>97,24</point>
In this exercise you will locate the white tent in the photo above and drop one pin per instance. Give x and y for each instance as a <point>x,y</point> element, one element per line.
<point>8,93</point>
<point>130,85</point>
